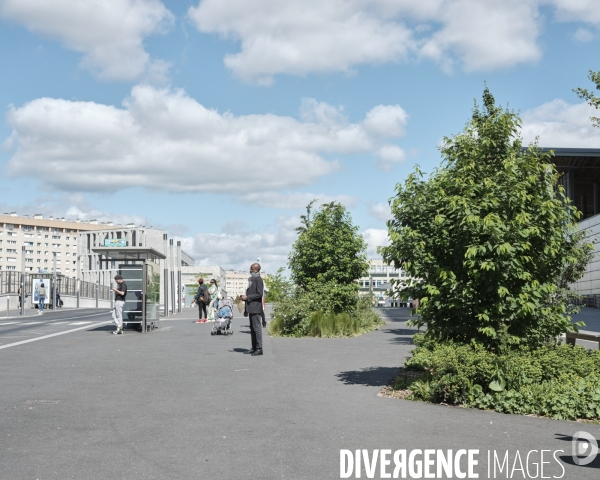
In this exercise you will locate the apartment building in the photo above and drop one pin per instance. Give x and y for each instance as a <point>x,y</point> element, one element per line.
<point>42,237</point>
<point>237,282</point>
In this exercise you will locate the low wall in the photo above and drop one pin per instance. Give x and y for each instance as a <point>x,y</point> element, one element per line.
<point>69,301</point>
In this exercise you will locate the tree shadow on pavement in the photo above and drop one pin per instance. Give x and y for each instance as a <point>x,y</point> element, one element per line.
<point>369,377</point>
<point>403,336</point>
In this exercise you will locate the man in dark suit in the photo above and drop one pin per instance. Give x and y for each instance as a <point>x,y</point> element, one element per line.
<point>254,308</point>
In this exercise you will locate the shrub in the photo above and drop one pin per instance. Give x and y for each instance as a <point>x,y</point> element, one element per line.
<point>307,314</point>
<point>561,382</point>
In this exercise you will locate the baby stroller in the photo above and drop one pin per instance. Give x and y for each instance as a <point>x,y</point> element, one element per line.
<point>222,325</point>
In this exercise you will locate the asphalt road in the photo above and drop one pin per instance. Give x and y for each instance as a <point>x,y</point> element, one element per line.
<point>178,403</point>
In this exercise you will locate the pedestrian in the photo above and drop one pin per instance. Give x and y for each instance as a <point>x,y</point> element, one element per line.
<point>20,297</point>
<point>58,300</point>
<point>120,294</point>
<point>199,298</point>
<point>215,296</point>
<point>254,307</point>
<point>41,298</point>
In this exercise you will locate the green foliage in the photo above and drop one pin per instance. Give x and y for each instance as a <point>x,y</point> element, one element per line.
<point>488,238</point>
<point>327,258</point>
<point>329,248</point>
<point>305,314</point>
<point>278,286</point>
<point>561,382</point>
<point>589,96</point>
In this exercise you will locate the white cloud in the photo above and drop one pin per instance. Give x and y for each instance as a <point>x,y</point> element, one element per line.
<point>71,207</point>
<point>389,155</point>
<point>299,37</point>
<point>375,237</point>
<point>295,200</point>
<point>583,35</point>
<point>380,211</point>
<point>238,250</point>
<point>109,33</point>
<point>305,36</point>
<point>165,139</point>
<point>485,35</point>
<point>559,124</point>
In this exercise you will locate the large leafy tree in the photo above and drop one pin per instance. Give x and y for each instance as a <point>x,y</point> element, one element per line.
<point>328,257</point>
<point>278,285</point>
<point>489,238</point>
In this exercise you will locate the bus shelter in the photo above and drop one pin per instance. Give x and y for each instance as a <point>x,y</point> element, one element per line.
<point>141,272</point>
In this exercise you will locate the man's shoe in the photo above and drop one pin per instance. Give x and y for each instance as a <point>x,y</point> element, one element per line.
<point>251,351</point>
<point>257,352</point>
<point>118,331</point>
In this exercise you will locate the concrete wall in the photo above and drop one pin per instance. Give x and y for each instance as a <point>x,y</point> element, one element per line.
<point>590,282</point>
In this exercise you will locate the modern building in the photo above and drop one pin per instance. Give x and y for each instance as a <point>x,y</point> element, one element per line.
<point>191,274</point>
<point>237,282</point>
<point>379,279</point>
<point>42,238</point>
<point>580,177</point>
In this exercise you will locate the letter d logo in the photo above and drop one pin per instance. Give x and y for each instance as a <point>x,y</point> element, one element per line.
<point>583,445</point>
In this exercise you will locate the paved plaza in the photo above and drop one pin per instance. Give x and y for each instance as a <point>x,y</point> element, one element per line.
<point>179,403</point>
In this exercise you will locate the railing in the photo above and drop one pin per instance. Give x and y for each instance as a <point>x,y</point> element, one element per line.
<point>10,282</point>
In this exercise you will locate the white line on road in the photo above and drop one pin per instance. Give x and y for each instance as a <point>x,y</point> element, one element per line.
<point>79,323</point>
<point>54,335</point>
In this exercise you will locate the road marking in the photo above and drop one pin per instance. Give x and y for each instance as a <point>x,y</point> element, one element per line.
<point>31,323</point>
<point>53,335</point>
<point>78,323</point>
<point>7,323</point>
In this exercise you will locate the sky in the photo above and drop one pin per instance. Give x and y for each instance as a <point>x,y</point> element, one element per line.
<point>220,120</point>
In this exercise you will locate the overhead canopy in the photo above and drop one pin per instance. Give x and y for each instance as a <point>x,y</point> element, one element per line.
<point>129,253</point>
<point>580,169</point>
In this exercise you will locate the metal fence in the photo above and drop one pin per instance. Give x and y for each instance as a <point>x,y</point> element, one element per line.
<point>10,281</point>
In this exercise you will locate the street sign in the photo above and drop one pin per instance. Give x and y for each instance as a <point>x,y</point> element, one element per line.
<point>115,242</point>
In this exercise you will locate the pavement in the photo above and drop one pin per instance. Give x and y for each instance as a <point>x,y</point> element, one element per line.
<point>178,403</point>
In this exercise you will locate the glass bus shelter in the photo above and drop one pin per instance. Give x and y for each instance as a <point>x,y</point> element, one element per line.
<point>141,272</point>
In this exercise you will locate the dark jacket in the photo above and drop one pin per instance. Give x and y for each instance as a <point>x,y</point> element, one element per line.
<point>254,292</point>
<point>200,292</point>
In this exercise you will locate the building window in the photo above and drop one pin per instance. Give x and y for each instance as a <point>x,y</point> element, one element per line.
<point>29,252</point>
<point>11,242</point>
<point>55,237</point>
<point>29,260</point>
<point>11,268</point>
<point>29,235</point>
<point>45,236</point>
<point>11,250</point>
<point>11,259</point>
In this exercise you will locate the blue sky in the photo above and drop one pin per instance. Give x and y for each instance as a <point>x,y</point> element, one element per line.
<point>220,119</point>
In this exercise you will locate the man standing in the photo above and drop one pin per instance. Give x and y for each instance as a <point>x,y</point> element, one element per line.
<point>120,294</point>
<point>254,308</point>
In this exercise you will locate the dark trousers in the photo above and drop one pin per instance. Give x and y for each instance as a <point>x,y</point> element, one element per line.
<point>256,330</point>
<point>202,308</point>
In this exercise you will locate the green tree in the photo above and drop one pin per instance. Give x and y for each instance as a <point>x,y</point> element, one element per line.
<point>487,238</point>
<point>328,257</point>
<point>328,248</point>
<point>589,96</point>
<point>278,285</point>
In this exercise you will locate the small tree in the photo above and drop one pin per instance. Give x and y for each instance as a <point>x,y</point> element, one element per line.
<point>328,257</point>
<point>589,96</point>
<point>488,238</point>
<point>278,285</point>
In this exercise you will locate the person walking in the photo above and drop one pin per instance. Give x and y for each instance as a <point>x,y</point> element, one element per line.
<point>20,298</point>
<point>41,298</point>
<point>199,299</point>
<point>120,294</point>
<point>215,296</point>
<point>254,307</point>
